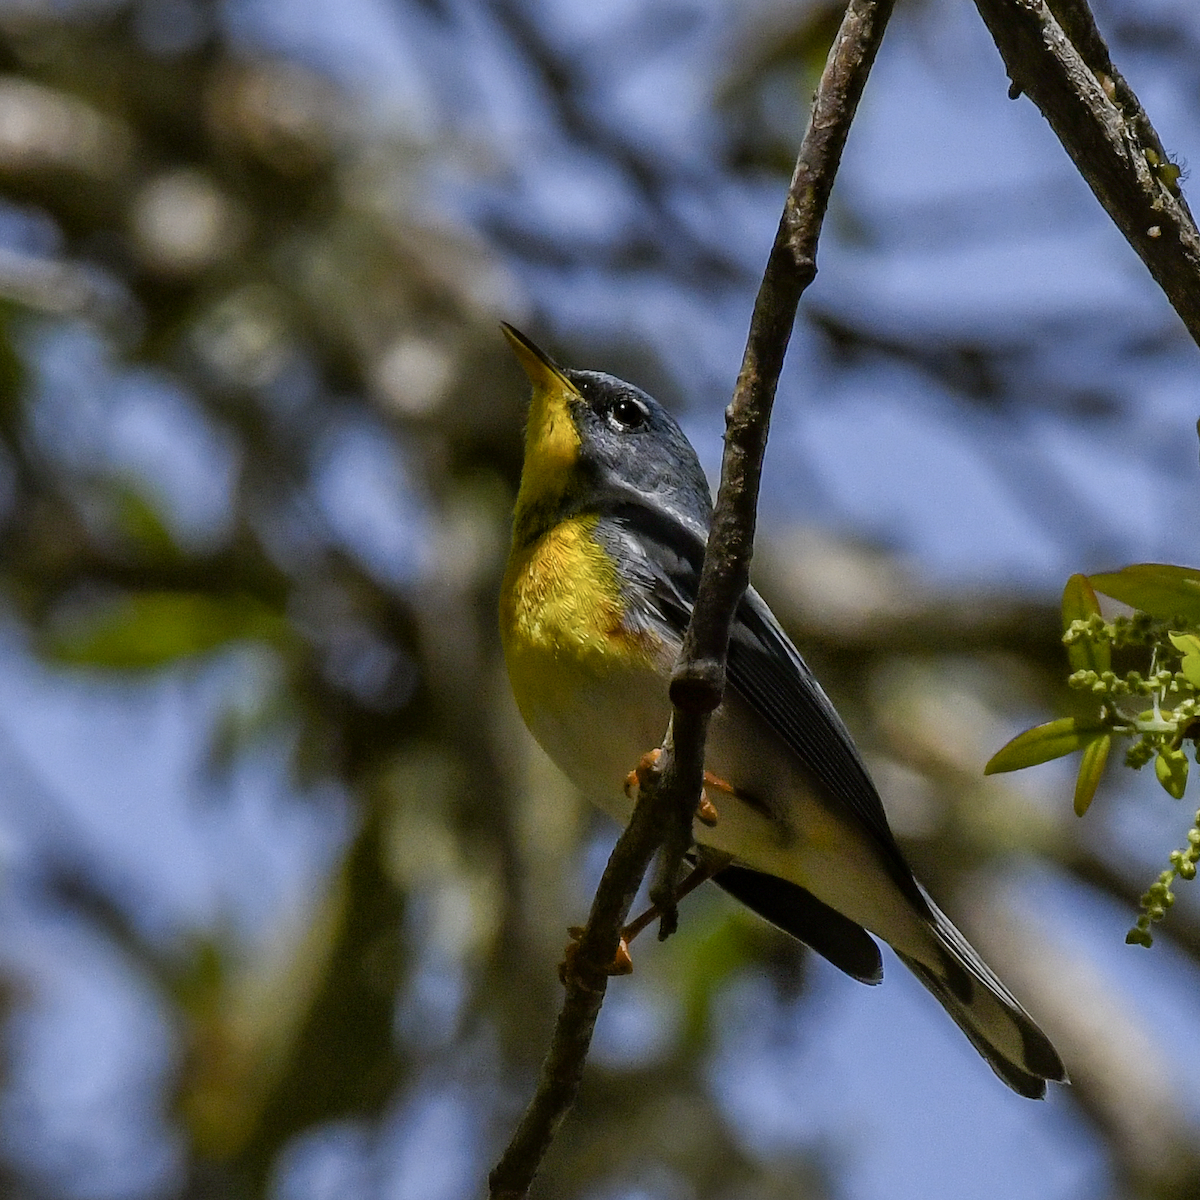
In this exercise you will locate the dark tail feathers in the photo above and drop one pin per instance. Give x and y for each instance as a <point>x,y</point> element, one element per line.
<point>987,1012</point>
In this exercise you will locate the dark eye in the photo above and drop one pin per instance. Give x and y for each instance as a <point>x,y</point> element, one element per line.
<point>627,414</point>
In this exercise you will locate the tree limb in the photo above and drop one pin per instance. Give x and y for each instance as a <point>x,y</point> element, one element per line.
<point>663,813</point>
<point>1056,56</point>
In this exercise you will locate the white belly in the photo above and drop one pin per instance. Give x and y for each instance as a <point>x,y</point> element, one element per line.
<point>598,738</point>
<point>783,828</point>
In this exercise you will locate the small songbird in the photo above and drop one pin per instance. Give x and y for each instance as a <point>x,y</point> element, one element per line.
<point>608,538</point>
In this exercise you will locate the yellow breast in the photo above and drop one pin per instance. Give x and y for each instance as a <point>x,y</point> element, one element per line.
<point>562,618</point>
<point>593,692</point>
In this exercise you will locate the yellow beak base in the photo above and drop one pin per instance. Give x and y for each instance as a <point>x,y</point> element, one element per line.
<point>551,439</point>
<point>542,370</point>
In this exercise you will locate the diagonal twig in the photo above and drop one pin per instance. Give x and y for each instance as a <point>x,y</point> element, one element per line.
<point>1056,56</point>
<point>663,813</point>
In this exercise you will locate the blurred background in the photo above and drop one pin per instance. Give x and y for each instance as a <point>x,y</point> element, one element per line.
<point>283,881</point>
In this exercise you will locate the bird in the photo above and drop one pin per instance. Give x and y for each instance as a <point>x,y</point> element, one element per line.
<point>608,536</point>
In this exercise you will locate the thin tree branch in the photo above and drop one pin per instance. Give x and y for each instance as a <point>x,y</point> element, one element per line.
<point>663,813</point>
<point>1056,56</point>
<point>698,682</point>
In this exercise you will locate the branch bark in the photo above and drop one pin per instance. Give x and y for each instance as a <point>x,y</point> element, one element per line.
<point>1055,55</point>
<point>663,814</point>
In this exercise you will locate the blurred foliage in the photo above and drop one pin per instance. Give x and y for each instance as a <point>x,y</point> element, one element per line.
<point>1166,604</point>
<point>233,236</point>
<point>224,221</point>
<point>153,629</point>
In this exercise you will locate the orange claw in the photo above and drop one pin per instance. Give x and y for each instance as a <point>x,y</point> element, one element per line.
<point>715,781</point>
<point>622,961</point>
<point>636,778</point>
<point>709,862</point>
<point>706,811</point>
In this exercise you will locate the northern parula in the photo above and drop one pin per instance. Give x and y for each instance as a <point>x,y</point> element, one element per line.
<point>608,537</point>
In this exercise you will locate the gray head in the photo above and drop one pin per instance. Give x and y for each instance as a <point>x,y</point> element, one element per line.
<point>634,450</point>
<point>594,443</point>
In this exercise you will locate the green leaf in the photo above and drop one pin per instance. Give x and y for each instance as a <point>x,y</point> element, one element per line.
<point>1191,669</point>
<point>1171,767</point>
<point>1044,742</point>
<point>1188,644</point>
<point>1078,604</point>
<point>141,523</point>
<point>152,629</point>
<point>1185,643</point>
<point>1159,589</point>
<point>1091,768</point>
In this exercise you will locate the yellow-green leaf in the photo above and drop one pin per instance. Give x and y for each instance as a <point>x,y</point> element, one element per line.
<point>1171,767</point>
<point>1185,643</point>
<point>151,629</point>
<point>1091,768</point>
<point>1188,644</point>
<point>141,522</point>
<point>1078,604</point>
<point>1191,669</point>
<point>1044,742</point>
<point>1162,590</point>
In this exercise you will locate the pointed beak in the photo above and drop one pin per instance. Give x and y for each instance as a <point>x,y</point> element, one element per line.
<point>551,438</point>
<point>542,370</point>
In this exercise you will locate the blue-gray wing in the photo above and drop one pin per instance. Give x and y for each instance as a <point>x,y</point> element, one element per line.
<point>769,674</point>
<point>664,557</point>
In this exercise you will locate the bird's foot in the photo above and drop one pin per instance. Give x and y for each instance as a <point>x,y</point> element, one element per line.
<point>642,773</point>
<point>706,811</point>
<point>568,969</point>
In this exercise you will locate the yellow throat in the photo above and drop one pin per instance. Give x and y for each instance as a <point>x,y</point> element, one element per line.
<point>561,608</point>
<point>551,441</point>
